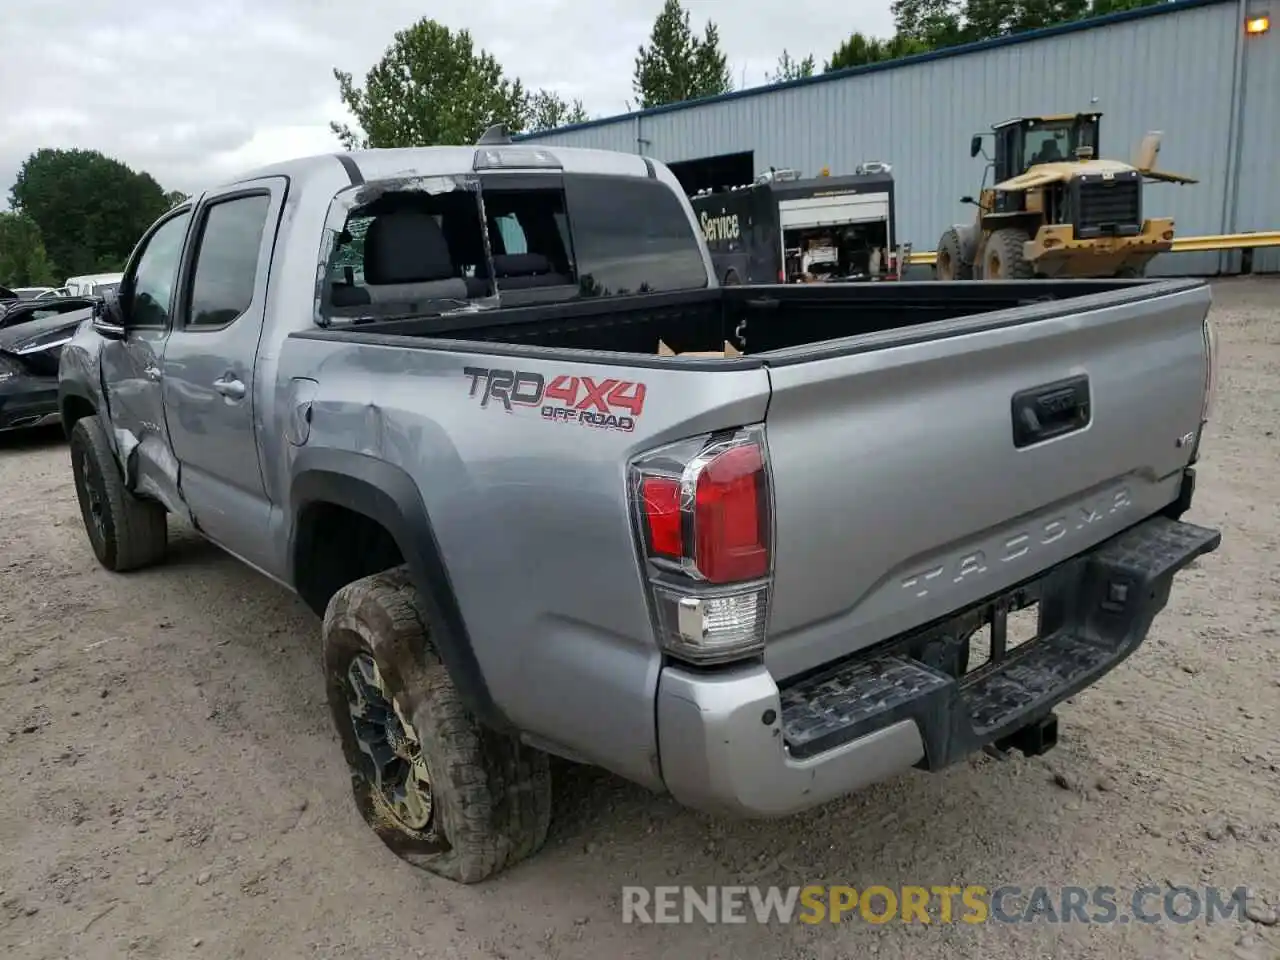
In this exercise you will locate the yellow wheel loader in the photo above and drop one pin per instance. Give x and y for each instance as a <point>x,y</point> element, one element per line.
<point>1055,210</point>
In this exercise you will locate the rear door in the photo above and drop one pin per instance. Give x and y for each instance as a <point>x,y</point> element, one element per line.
<point>210,398</point>
<point>910,480</point>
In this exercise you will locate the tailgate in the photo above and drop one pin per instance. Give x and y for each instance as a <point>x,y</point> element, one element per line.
<point>915,477</point>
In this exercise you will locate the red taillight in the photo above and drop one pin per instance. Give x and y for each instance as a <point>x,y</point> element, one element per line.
<point>704,522</point>
<point>731,517</point>
<point>661,496</point>
<point>704,506</point>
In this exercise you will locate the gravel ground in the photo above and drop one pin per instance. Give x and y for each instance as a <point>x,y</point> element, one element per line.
<point>171,786</point>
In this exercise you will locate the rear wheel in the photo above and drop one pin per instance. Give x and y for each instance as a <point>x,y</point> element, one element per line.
<point>1129,273</point>
<point>731,278</point>
<point>442,792</point>
<point>950,264</point>
<point>126,532</point>
<point>1002,256</point>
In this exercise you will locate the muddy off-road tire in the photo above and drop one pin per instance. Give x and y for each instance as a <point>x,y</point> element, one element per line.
<point>441,791</point>
<point>125,532</point>
<point>1002,256</point>
<point>950,264</point>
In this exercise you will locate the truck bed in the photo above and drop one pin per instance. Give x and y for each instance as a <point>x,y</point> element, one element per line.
<point>784,322</point>
<point>931,445</point>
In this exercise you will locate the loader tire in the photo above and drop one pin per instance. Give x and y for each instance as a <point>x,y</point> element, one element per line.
<point>950,264</point>
<point>442,792</point>
<point>1002,256</point>
<point>125,532</point>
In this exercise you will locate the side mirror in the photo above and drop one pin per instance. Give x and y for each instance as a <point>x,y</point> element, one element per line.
<point>967,199</point>
<point>975,145</point>
<point>108,317</point>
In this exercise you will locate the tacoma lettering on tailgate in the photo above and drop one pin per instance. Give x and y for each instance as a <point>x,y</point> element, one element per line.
<point>974,563</point>
<point>566,399</point>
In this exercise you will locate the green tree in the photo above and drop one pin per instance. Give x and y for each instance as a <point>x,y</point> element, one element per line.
<point>23,260</point>
<point>933,23</point>
<point>857,51</point>
<point>924,25</point>
<point>791,69</point>
<point>860,50</point>
<point>175,197</point>
<point>994,18</point>
<point>546,110</point>
<point>678,65</point>
<point>432,86</point>
<point>90,209</point>
<point>945,23</point>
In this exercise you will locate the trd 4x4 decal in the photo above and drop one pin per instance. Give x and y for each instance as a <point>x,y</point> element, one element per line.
<point>607,403</point>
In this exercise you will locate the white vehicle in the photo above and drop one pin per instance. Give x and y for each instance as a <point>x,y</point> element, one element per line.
<point>92,285</point>
<point>38,293</point>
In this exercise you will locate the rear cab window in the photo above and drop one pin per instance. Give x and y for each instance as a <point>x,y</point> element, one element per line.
<point>405,248</point>
<point>632,236</point>
<point>443,244</point>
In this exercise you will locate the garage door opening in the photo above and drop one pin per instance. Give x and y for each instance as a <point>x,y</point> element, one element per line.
<point>715,173</point>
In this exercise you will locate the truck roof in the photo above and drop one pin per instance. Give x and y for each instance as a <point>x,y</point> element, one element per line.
<point>386,163</point>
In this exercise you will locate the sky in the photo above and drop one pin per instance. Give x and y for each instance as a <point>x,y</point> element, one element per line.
<point>196,92</point>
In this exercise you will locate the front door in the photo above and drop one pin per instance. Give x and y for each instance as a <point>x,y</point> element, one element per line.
<point>210,393</point>
<point>131,367</point>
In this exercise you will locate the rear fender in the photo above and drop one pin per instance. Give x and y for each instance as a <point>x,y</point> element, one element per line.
<point>387,494</point>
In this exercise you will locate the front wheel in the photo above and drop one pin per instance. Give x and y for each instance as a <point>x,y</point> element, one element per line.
<point>441,791</point>
<point>1002,256</point>
<point>126,532</point>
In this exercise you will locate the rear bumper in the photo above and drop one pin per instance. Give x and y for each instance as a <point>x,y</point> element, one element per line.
<point>28,402</point>
<point>734,742</point>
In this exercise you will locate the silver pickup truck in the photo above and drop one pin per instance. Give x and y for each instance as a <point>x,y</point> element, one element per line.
<point>554,491</point>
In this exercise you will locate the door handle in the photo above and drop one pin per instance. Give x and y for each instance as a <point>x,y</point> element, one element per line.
<point>229,387</point>
<point>1051,410</point>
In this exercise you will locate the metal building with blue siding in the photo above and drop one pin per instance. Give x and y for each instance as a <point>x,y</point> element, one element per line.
<point>1186,68</point>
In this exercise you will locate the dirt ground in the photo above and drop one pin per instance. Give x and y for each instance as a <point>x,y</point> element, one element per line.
<point>170,786</point>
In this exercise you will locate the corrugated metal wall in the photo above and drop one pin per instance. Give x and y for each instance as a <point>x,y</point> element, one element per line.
<point>1258,200</point>
<point>1170,72</point>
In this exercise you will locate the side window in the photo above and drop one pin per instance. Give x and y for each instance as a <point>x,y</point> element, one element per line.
<point>156,273</point>
<point>631,235</point>
<point>226,269</point>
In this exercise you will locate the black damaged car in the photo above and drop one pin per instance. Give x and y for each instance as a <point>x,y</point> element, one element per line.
<point>32,333</point>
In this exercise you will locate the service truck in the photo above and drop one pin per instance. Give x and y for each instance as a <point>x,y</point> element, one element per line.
<point>551,489</point>
<point>785,228</point>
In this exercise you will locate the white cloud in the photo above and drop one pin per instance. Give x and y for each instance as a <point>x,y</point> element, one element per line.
<point>192,93</point>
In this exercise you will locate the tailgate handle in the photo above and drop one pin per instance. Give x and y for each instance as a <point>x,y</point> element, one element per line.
<point>1050,410</point>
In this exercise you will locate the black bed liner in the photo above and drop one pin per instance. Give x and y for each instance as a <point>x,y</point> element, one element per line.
<point>789,322</point>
